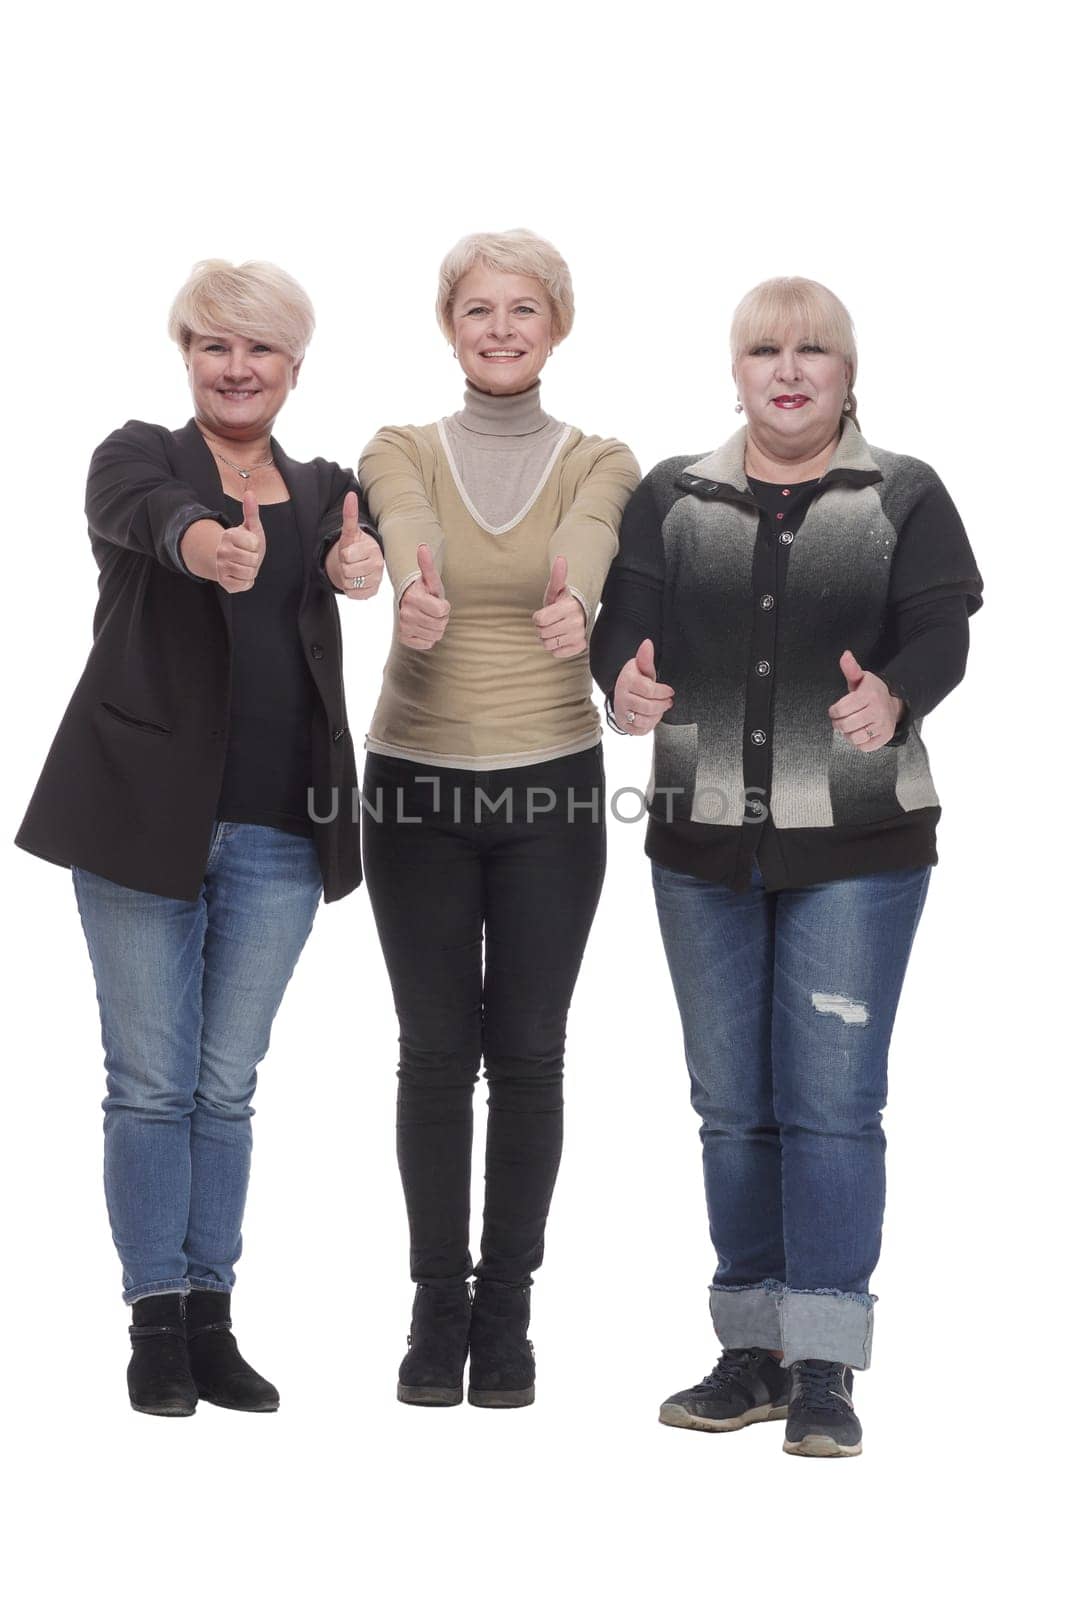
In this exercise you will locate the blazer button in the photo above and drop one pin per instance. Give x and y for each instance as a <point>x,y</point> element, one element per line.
<point>763,668</point>
<point>758,736</point>
<point>338,734</point>
<point>785,538</point>
<point>317,652</point>
<point>766,602</point>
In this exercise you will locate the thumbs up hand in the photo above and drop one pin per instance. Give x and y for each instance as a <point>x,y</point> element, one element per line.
<point>867,714</point>
<point>240,551</point>
<point>355,562</point>
<point>639,701</point>
<point>561,619</point>
<point>424,611</point>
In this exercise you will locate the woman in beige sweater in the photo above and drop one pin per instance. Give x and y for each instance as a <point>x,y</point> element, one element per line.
<point>484,798</point>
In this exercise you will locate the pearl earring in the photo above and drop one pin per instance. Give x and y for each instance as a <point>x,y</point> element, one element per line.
<point>848,405</point>
<point>739,406</point>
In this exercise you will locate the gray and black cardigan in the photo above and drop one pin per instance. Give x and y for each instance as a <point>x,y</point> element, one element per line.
<point>750,593</point>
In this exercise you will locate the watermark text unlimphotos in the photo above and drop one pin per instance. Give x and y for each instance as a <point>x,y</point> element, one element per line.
<point>438,801</point>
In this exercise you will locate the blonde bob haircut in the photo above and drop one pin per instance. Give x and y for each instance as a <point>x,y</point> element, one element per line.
<point>256,300</point>
<point>799,305</point>
<point>517,251</point>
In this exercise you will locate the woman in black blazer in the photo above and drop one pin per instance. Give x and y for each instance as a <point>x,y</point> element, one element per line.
<point>201,788</point>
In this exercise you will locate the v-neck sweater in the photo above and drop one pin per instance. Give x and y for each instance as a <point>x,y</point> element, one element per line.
<point>489,695</point>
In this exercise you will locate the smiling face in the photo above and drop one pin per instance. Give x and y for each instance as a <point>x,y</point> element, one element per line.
<point>502,329</point>
<point>793,390</point>
<point>239,385</point>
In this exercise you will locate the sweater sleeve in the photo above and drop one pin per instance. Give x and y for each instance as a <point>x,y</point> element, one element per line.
<point>934,588</point>
<point>633,594</point>
<point>397,497</point>
<point>932,550</point>
<point>588,534</point>
<point>133,499</point>
<point>931,638</point>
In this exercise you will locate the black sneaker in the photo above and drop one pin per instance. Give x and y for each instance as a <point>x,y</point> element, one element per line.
<point>822,1421</point>
<point>746,1386</point>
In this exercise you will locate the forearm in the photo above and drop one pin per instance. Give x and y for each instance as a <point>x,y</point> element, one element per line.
<point>399,504</point>
<point>631,613</point>
<point>930,658</point>
<point>199,548</point>
<point>132,498</point>
<point>588,534</point>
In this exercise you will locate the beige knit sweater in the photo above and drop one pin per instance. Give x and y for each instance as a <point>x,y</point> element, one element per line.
<point>489,694</point>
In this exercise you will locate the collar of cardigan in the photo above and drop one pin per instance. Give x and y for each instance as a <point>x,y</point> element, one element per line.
<point>722,473</point>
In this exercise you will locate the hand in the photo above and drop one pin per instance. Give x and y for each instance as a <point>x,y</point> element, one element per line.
<point>240,551</point>
<point>868,714</point>
<point>638,701</point>
<point>561,620</point>
<point>355,555</point>
<point>424,611</point>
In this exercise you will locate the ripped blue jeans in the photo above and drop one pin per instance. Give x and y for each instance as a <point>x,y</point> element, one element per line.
<point>787,1001</point>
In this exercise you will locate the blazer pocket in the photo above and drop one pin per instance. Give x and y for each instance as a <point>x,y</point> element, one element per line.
<point>134,722</point>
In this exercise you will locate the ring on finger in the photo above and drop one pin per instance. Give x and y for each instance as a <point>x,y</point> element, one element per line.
<point>358,582</point>
<point>631,717</point>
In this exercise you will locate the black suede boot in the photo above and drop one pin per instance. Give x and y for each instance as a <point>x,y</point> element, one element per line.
<point>158,1375</point>
<point>431,1374</point>
<point>502,1358</point>
<point>220,1372</point>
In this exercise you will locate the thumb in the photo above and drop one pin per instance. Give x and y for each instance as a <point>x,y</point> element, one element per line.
<point>350,528</point>
<point>646,660</point>
<point>430,576</point>
<point>557,581</point>
<point>852,670</point>
<point>250,506</point>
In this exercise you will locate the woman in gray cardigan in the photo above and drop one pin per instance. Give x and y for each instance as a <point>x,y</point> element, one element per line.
<point>782,614</point>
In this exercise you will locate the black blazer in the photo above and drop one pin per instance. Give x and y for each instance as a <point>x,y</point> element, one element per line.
<point>133,777</point>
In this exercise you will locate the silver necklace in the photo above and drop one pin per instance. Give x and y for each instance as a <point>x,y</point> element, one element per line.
<point>245,472</point>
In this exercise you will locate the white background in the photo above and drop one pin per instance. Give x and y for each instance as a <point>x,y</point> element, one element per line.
<point>900,153</point>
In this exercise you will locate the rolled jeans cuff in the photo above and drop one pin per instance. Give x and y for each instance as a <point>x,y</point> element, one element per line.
<point>748,1318</point>
<point>826,1325</point>
<point>160,1286</point>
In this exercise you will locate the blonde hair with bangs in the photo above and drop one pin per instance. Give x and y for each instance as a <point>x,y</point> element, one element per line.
<point>256,300</point>
<point>517,251</point>
<point>772,308</point>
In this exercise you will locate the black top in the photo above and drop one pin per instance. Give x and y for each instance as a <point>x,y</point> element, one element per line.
<point>272,696</point>
<point>750,592</point>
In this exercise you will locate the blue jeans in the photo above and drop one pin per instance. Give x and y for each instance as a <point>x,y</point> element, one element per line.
<point>188,991</point>
<point>787,1003</point>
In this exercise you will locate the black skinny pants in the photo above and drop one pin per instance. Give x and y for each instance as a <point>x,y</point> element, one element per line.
<point>436,882</point>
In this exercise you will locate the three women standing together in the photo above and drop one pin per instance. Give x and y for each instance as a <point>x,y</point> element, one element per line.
<point>208,735</point>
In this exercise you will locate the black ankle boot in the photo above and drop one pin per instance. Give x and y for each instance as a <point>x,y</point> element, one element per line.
<point>158,1375</point>
<point>431,1374</point>
<point>220,1372</point>
<point>502,1358</point>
